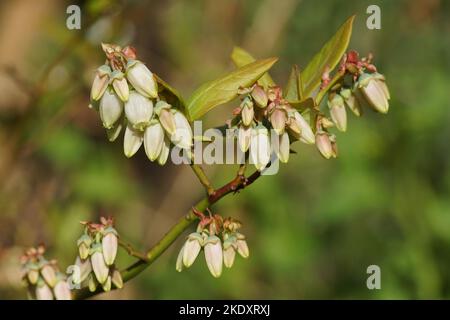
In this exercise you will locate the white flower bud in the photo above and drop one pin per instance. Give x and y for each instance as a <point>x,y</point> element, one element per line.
<point>244,138</point>
<point>166,117</point>
<point>165,150</point>
<point>374,91</point>
<point>192,249</point>
<point>338,112</point>
<point>260,96</point>
<point>62,291</point>
<point>283,148</point>
<point>116,279</point>
<point>183,132</point>
<point>132,141</point>
<point>43,291</point>
<point>110,109</point>
<point>247,112</point>
<point>278,120</point>
<point>153,140</point>
<point>49,275</point>
<point>141,78</point>
<point>84,268</point>
<point>138,110</point>
<point>107,284</point>
<point>92,283</point>
<point>84,243</point>
<point>307,136</point>
<point>323,143</point>
<point>241,246</point>
<point>109,246</point>
<point>260,147</point>
<point>33,273</point>
<point>100,82</point>
<point>351,102</point>
<point>114,132</point>
<point>229,254</point>
<point>179,263</point>
<point>120,85</point>
<point>99,266</point>
<point>214,255</point>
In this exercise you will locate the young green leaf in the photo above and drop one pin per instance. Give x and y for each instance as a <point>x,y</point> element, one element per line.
<point>224,89</point>
<point>240,58</point>
<point>293,90</point>
<point>329,56</point>
<point>303,105</point>
<point>171,95</point>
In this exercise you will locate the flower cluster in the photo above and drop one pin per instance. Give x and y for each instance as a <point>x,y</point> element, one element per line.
<point>97,249</point>
<point>361,86</point>
<point>260,111</point>
<point>42,277</point>
<point>125,92</point>
<point>220,240</point>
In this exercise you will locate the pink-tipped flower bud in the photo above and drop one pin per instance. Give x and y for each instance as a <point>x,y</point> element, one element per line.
<point>338,112</point>
<point>278,119</point>
<point>323,144</point>
<point>100,83</point>
<point>247,112</point>
<point>166,117</point>
<point>259,96</point>
<point>109,245</point>
<point>374,91</point>
<point>120,85</point>
<point>241,245</point>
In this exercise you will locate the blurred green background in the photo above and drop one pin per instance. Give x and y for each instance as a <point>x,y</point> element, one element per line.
<point>312,230</point>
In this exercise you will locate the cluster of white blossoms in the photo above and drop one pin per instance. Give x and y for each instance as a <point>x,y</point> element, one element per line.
<point>220,241</point>
<point>362,87</point>
<point>97,249</point>
<point>125,93</point>
<point>261,111</point>
<point>42,278</point>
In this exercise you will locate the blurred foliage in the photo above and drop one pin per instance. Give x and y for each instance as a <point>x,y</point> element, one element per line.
<point>312,229</point>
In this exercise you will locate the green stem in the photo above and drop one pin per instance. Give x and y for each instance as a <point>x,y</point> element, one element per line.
<point>238,183</point>
<point>202,178</point>
<point>321,94</point>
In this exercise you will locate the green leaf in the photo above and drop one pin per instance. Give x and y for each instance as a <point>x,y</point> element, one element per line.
<point>224,89</point>
<point>293,90</point>
<point>240,58</point>
<point>330,55</point>
<point>303,105</point>
<point>171,95</point>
